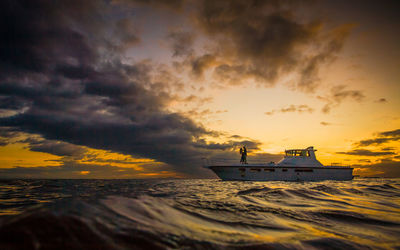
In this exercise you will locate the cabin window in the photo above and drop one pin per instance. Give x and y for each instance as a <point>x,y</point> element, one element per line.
<point>304,170</point>
<point>269,170</point>
<point>255,170</point>
<point>284,170</point>
<point>304,153</point>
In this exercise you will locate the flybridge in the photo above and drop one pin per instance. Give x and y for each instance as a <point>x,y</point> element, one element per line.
<point>300,158</point>
<point>308,152</point>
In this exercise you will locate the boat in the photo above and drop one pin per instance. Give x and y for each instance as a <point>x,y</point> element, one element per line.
<point>296,165</point>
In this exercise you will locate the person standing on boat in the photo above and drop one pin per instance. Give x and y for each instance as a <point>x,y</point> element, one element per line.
<point>244,155</point>
<point>241,155</point>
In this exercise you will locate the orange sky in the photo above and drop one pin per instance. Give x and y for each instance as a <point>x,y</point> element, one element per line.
<point>135,90</point>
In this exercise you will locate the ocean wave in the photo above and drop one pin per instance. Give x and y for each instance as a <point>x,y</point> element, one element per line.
<point>202,214</point>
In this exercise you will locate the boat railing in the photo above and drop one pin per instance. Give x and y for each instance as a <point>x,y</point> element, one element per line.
<point>337,164</point>
<point>228,161</point>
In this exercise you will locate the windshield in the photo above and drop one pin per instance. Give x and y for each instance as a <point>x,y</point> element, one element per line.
<point>303,153</point>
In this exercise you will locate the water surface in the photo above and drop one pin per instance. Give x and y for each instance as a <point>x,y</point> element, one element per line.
<point>125,214</point>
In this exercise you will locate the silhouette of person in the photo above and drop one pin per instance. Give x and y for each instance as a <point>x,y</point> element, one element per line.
<point>244,155</point>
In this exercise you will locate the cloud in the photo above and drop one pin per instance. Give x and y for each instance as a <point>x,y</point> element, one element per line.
<point>252,40</point>
<point>309,78</point>
<point>197,99</point>
<point>201,63</point>
<point>388,149</point>
<point>325,123</point>
<point>236,137</point>
<point>231,145</point>
<point>8,135</point>
<point>381,138</point>
<point>203,114</point>
<point>54,147</point>
<point>181,42</point>
<point>263,40</point>
<point>392,133</point>
<point>233,157</point>
<point>384,168</point>
<point>56,63</point>
<point>126,34</point>
<point>291,109</point>
<point>299,109</point>
<point>73,170</point>
<point>338,94</point>
<point>255,40</point>
<point>37,36</point>
<point>365,152</point>
<point>381,100</point>
<point>175,5</point>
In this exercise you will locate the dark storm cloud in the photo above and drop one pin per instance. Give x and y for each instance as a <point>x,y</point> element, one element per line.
<point>181,42</point>
<point>170,4</point>
<point>254,145</point>
<point>56,65</point>
<point>264,39</point>
<point>291,109</point>
<point>54,147</point>
<point>8,135</point>
<point>253,158</point>
<point>126,32</point>
<point>254,39</point>
<point>8,132</point>
<point>381,138</point>
<point>11,102</point>
<point>365,152</point>
<point>35,36</point>
<point>201,63</point>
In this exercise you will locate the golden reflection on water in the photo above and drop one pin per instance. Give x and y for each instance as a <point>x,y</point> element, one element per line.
<point>361,211</point>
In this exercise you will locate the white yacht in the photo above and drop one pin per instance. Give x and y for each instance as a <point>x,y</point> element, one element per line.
<point>297,165</point>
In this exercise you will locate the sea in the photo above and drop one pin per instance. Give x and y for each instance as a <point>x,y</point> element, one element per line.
<point>199,214</point>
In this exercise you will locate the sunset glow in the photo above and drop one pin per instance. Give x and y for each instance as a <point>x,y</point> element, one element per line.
<point>146,89</point>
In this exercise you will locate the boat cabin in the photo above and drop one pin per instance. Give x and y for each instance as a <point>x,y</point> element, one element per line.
<point>295,152</point>
<point>308,152</point>
<point>300,157</point>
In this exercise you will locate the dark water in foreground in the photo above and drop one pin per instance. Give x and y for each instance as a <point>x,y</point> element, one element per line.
<point>203,214</point>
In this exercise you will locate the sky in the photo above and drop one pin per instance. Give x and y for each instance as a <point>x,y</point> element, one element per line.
<point>148,88</point>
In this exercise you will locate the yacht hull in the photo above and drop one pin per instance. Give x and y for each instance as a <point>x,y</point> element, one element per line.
<point>281,173</point>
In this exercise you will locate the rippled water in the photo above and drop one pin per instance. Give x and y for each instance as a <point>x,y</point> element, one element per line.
<point>151,214</point>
